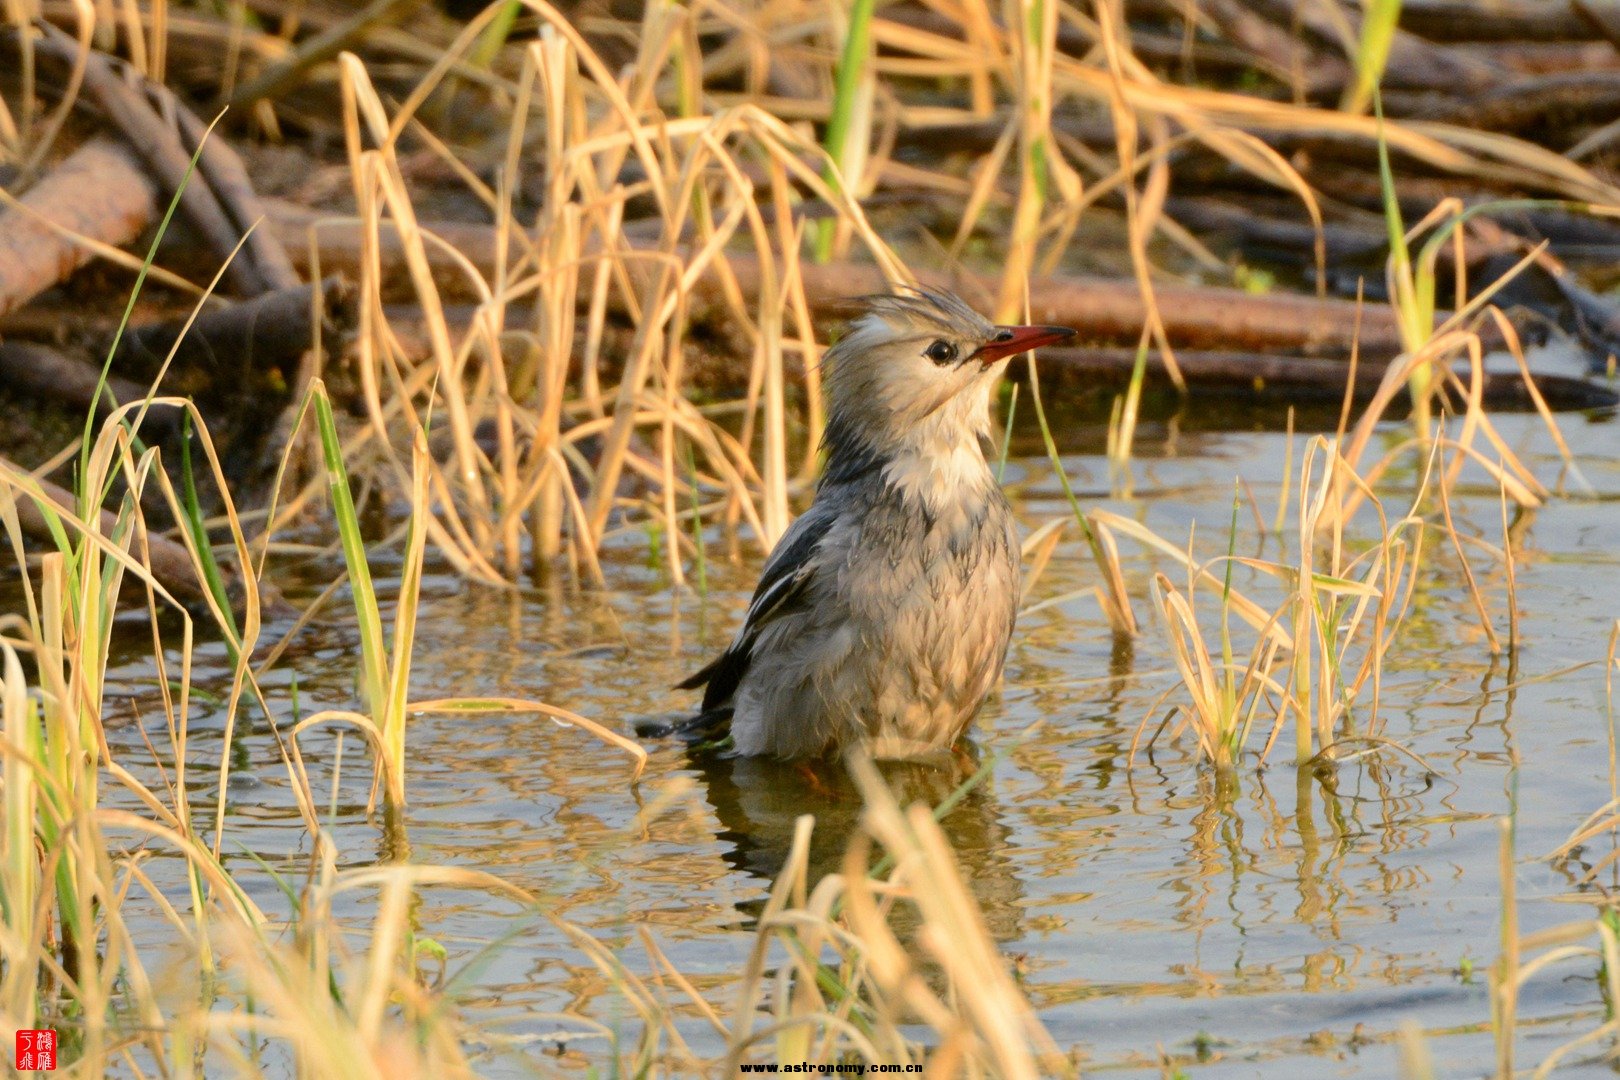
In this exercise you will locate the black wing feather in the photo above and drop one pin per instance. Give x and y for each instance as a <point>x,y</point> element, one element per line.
<point>780,591</point>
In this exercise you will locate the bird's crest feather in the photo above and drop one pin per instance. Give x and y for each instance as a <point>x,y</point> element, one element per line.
<point>919,304</point>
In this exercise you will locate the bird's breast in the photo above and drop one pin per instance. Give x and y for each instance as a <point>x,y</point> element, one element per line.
<point>935,588</point>
<point>940,477</point>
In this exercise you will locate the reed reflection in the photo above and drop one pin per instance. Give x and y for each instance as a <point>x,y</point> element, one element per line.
<point>1349,842</point>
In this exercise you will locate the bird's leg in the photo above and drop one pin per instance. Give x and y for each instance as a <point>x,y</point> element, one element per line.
<point>806,768</point>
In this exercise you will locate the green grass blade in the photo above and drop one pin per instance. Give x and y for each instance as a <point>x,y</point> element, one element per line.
<point>102,391</point>
<point>1379,19</point>
<point>373,653</point>
<point>199,534</point>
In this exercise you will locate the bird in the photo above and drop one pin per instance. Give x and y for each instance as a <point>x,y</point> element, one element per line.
<point>883,614</point>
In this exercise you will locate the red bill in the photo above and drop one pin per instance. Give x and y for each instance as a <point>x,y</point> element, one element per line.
<point>1011,340</point>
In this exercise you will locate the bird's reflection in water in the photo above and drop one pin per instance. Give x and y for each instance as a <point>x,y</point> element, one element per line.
<point>757,801</point>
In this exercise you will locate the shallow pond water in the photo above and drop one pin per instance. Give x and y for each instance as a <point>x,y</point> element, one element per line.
<point>1284,923</point>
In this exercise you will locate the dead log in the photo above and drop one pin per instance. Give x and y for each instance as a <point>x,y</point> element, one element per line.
<point>1600,17</point>
<point>67,378</point>
<point>1535,106</point>
<point>1542,57</point>
<point>1504,20</point>
<point>1224,337</point>
<point>1295,379</point>
<point>240,361</point>
<point>227,178</point>
<point>1412,63</point>
<point>97,193</point>
<point>1102,309</point>
<point>1250,229</point>
<point>1277,227</point>
<point>337,243</point>
<point>220,223</point>
<point>278,78</point>
<point>1107,309</point>
<point>1169,45</point>
<point>246,366</point>
<point>1286,57</point>
<point>273,330</point>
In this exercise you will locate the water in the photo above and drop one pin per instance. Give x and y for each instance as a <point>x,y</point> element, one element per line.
<point>1285,923</point>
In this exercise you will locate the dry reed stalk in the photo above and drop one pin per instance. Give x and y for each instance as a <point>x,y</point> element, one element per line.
<point>1108,524</point>
<point>79,587</point>
<point>678,162</point>
<point>1466,152</point>
<point>380,186</point>
<point>1316,654</point>
<point>1032,43</point>
<point>557,228</point>
<point>1142,209</point>
<point>991,1012</point>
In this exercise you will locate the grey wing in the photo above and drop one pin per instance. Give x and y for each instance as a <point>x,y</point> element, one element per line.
<point>781,589</point>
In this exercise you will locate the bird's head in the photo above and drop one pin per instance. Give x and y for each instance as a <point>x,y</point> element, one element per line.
<point>917,368</point>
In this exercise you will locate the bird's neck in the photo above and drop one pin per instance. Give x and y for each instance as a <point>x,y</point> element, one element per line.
<point>948,473</point>
<point>938,461</point>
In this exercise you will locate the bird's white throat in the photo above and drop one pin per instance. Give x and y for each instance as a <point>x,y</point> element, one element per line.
<point>941,460</point>
<point>952,475</point>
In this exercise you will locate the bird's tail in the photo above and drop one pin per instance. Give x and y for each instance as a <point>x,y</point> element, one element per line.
<point>709,730</point>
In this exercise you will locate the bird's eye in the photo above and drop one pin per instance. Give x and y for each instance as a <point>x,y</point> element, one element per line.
<point>941,352</point>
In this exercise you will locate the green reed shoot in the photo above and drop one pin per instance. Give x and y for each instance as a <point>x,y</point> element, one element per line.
<point>53,748</point>
<point>1007,433</point>
<point>1226,586</point>
<point>1122,424</point>
<point>1379,19</point>
<point>850,118</point>
<point>1411,294</point>
<point>1116,606</point>
<point>385,673</point>
<point>195,524</point>
<point>494,37</point>
<point>700,555</point>
<point>1224,697</point>
<point>102,392</point>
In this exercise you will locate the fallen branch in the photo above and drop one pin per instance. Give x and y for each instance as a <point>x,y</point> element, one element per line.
<point>97,193</point>
<point>1276,340</point>
<point>278,78</point>
<point>271,330</point>
<point>212,205</point>
<point>1503,20</point>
